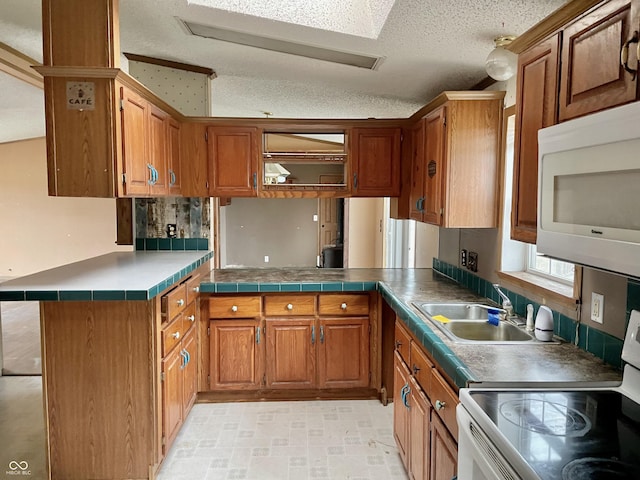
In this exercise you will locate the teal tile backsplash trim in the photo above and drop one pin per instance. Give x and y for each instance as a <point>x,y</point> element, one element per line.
<point>601,344</point>
<point>172,244</point>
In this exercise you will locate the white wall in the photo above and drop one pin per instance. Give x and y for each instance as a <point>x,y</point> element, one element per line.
<point>426,244</point>
<point>364,234</point>
<point>42,232</point>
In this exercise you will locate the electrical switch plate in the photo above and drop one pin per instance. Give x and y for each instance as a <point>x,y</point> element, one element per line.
<point>266,259</point>
<point>597,307</point>
<point>315,218</point>
<point>463,257</point>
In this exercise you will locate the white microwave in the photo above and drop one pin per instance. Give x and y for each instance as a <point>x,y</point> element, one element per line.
<point>589,190</point>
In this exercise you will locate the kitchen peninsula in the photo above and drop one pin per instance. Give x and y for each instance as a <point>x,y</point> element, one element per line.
<point>109,342</point>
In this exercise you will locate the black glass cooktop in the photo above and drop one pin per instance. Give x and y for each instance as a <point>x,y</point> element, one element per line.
<point>579,435</point>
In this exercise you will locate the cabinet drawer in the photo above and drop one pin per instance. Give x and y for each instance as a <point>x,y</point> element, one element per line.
<point>444,401</point>
<point>290,305</point>
<point>343,304</point>
<point>174,302</point>
<point>234,307</point>
<point>193,288</point>
<point>173,333</point>
<point>403,340</point>
<point>421,368</point>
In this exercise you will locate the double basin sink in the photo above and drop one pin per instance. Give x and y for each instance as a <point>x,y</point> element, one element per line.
<point>467,323</point>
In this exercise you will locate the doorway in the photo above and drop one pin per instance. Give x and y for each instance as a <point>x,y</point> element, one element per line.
<point>330,228</point>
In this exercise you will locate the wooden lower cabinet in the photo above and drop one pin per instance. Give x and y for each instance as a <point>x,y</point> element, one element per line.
<point>237,352</point>
<point>172,396</point>
<point>190,373</point>
<point>291,353</point>
<point>423,414</point>
<point>400,411</point>
<point>444,451</point>
<point>343,353</point>
<point>295,341</point>
<point>419,433</point>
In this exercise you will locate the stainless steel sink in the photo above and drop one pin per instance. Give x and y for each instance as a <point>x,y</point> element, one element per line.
<point>455,311</point>
<point>467,323</point>
<point>485,332</point>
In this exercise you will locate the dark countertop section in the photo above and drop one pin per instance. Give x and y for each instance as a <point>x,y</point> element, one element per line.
<point>546,365</point>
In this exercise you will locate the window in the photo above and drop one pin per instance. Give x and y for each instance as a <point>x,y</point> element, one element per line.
<point>539,264</point>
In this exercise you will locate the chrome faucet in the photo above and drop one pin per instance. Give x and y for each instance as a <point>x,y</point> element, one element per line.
<point>506,303</point>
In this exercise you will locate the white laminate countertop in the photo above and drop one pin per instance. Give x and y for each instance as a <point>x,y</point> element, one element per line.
<point>137,275</point>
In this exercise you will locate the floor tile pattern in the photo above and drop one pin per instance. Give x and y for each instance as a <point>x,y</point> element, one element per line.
<point>306,440</point>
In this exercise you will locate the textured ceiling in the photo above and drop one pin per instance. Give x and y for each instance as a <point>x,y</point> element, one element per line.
<point>427,46</point>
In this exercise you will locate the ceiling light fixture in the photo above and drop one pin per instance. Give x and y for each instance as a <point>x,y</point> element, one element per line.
<point>501,64</point>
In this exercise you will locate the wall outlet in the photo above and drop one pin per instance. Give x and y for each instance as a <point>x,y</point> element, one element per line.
<point>266,259</point>
<point>472,261</point>
<point>463,258</point>
<point>597,307</point>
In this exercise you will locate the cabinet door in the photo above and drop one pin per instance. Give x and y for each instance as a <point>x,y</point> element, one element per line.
<point>233,156</point>
<point>592,77</point>
<point>157,137</point>
<point>236,352</point>
<point>400,411</point>
<point>418,165</point>
<point>434,172</point>
<point>375,154</point>
<point>444,452</point>
<point>291,353</point>
<point>174,159</point>
<point>536,108</point>
<point>343,355</point>
<point>136,168</point>
<point>419,433</point>
<point>189,372</point>
<point>172,397</point>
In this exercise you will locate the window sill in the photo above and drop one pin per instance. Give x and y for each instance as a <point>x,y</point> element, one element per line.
<point>554,291</point>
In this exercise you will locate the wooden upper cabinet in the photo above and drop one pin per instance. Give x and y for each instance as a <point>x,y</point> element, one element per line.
<point>194,174</point>
<point>174,157</point>
<point>536,108</point>
<point>456,152</point>
<point>375,161</point>
<point>592,76</point>
<point>135,165</point>
<point>434,166</point>
<point>233,158</point>
<point>416,195</point>
<point>157,138</point>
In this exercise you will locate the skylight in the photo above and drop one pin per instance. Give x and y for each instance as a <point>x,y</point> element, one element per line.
<point>363,18</point>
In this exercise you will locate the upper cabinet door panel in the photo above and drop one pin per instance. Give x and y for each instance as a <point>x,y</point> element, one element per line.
<point>592,77</point>
<point>434,170</point>
<point>136,168</point>
<point>233,156</point>
<point>536,108</point>
<point>375,161</point>
<point>174,158</point>
<point>418,164</point>
<point>158,121</point>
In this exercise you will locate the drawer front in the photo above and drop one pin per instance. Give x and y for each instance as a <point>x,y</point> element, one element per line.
<point>444,401</point>
<point>174,302</point>
<point>421,368</point>
<point>193,288</point>
<point>172,334</point>
<point>402,342</point>
<point>234,307</point>
<point>189,317</point>
<point>289,305</point>
<point>343,304</point>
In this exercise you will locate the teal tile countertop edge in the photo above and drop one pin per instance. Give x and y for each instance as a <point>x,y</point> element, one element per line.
<point>442,354</point>
<point>73,282</point>
<point>271,287</point>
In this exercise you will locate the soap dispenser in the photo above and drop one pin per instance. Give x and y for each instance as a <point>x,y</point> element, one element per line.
<point>529,318</point>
